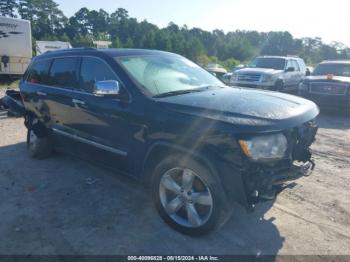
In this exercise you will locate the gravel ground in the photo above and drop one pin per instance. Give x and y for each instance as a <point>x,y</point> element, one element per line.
<point>67,206</point>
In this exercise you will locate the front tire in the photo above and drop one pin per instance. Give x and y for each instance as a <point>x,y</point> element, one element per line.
<point>38,147</point>
<point>188,196</point>
<point>279,86</point>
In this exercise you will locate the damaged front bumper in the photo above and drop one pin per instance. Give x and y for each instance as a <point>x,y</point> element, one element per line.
<point>267,183</point>
<point>263,181</point>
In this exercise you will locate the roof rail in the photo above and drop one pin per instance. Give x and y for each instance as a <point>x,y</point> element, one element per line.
<point>71,49</point>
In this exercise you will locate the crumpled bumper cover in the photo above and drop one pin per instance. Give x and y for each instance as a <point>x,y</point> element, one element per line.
<point>267,183</point>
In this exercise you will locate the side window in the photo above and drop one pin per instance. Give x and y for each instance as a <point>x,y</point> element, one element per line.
<point>92,71</point>
<point>39,72</point>
<point>63,72</point>
<point>296,65</point>
<point>289,64</point>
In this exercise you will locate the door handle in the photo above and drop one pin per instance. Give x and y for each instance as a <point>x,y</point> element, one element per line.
<point>77,101</point>
<point>39,93</point>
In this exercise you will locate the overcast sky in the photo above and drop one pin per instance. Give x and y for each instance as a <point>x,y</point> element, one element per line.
<point>326,19</point>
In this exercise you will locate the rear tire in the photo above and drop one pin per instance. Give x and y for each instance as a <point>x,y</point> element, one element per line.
<point>188,197</point>
<point>38,147</point>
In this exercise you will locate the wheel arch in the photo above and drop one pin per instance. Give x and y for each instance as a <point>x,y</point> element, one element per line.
<point>160,150</point>
<point>232,184</point>
<point>32,121</point>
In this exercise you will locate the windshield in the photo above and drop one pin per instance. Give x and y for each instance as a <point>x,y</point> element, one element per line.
<point>334,69</point>
<point>161,74</point>
<point>269,62</point>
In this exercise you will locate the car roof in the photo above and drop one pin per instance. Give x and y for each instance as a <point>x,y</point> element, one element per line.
<point>336,62</point>
<point>113,52</point>
<point>282,57</point>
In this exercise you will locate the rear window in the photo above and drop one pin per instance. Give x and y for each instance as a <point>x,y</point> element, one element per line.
<point>39,72</point>
<point>63,72</point>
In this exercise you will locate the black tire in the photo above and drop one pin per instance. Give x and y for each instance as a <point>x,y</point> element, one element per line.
<point>279,86</point>
<point>41,147</point>
<point>220,212</point>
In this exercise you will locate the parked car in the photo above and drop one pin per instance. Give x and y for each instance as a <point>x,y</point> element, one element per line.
<point>162,119</point>
<point>47,46</point>
<point>276,73</point>
<point>227,77</point>
<point>216,70</point>
<point>329,85</point>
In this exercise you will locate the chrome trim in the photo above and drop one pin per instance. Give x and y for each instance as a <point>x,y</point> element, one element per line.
<point>39,93</point>
<point>76,101</point>
<point>92,143</point>
<point>329,85</point>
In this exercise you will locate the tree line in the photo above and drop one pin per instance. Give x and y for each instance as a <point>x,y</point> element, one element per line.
<point>229,49</point>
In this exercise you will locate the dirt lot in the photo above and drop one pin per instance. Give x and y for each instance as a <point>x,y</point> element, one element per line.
<point>66,206</point>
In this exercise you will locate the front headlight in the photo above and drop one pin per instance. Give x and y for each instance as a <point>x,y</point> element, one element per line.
<point>265,147</point>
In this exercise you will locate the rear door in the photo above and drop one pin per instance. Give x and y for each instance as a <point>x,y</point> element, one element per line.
<point>63,77</point>
<point>33,88</point>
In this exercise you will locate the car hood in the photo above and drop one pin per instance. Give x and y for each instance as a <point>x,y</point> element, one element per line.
<point>258,71</point>
<point>249,110</point>
<point>325,78</point>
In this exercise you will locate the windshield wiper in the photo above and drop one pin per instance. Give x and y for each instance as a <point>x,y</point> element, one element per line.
<point>178,92</point>
<point>187,91</point>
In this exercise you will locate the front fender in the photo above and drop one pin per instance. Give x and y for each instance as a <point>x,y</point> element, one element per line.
<point>229,175</point>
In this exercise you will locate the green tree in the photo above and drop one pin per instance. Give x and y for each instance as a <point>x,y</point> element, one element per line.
<point>227,49</point>
<point>45,16</point>
<point>8,8</point>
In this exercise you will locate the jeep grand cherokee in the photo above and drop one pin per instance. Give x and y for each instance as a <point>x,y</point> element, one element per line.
<point>159,117</point>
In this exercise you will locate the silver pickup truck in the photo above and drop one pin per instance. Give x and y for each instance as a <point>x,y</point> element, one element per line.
<point>276,73</point>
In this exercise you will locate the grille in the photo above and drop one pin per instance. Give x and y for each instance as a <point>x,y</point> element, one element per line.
<point>249,77</point>
<point>328,88</point>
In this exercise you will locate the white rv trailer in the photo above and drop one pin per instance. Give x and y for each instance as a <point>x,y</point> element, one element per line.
<point>15,46</point>
<point>44,46</point>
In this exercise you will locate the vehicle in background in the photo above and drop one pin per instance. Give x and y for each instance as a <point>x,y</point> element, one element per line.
<point>227,77</point>
<point>15,46</point>
<point>102,44</point>
<point>216,70</point>
<point>158,117</point>
<point>45,46</point>
<point>277,73</point>
<point>329,85</point>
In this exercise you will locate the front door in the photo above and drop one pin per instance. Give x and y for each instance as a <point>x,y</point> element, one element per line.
<point>102,122</point>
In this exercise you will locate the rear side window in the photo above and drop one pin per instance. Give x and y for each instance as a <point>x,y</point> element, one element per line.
<point>92,71</point>
<point>63,72</point>
<point>39,72</point>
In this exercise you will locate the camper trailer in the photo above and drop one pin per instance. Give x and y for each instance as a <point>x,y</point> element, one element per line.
<point>45,46</point>
<point>15,46</point>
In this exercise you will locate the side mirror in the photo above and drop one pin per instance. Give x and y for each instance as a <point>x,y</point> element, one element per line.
<point>107,88</point>
<point>290,69</point>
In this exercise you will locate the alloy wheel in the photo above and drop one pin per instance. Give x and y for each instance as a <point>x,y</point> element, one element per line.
<point>185,197</point>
